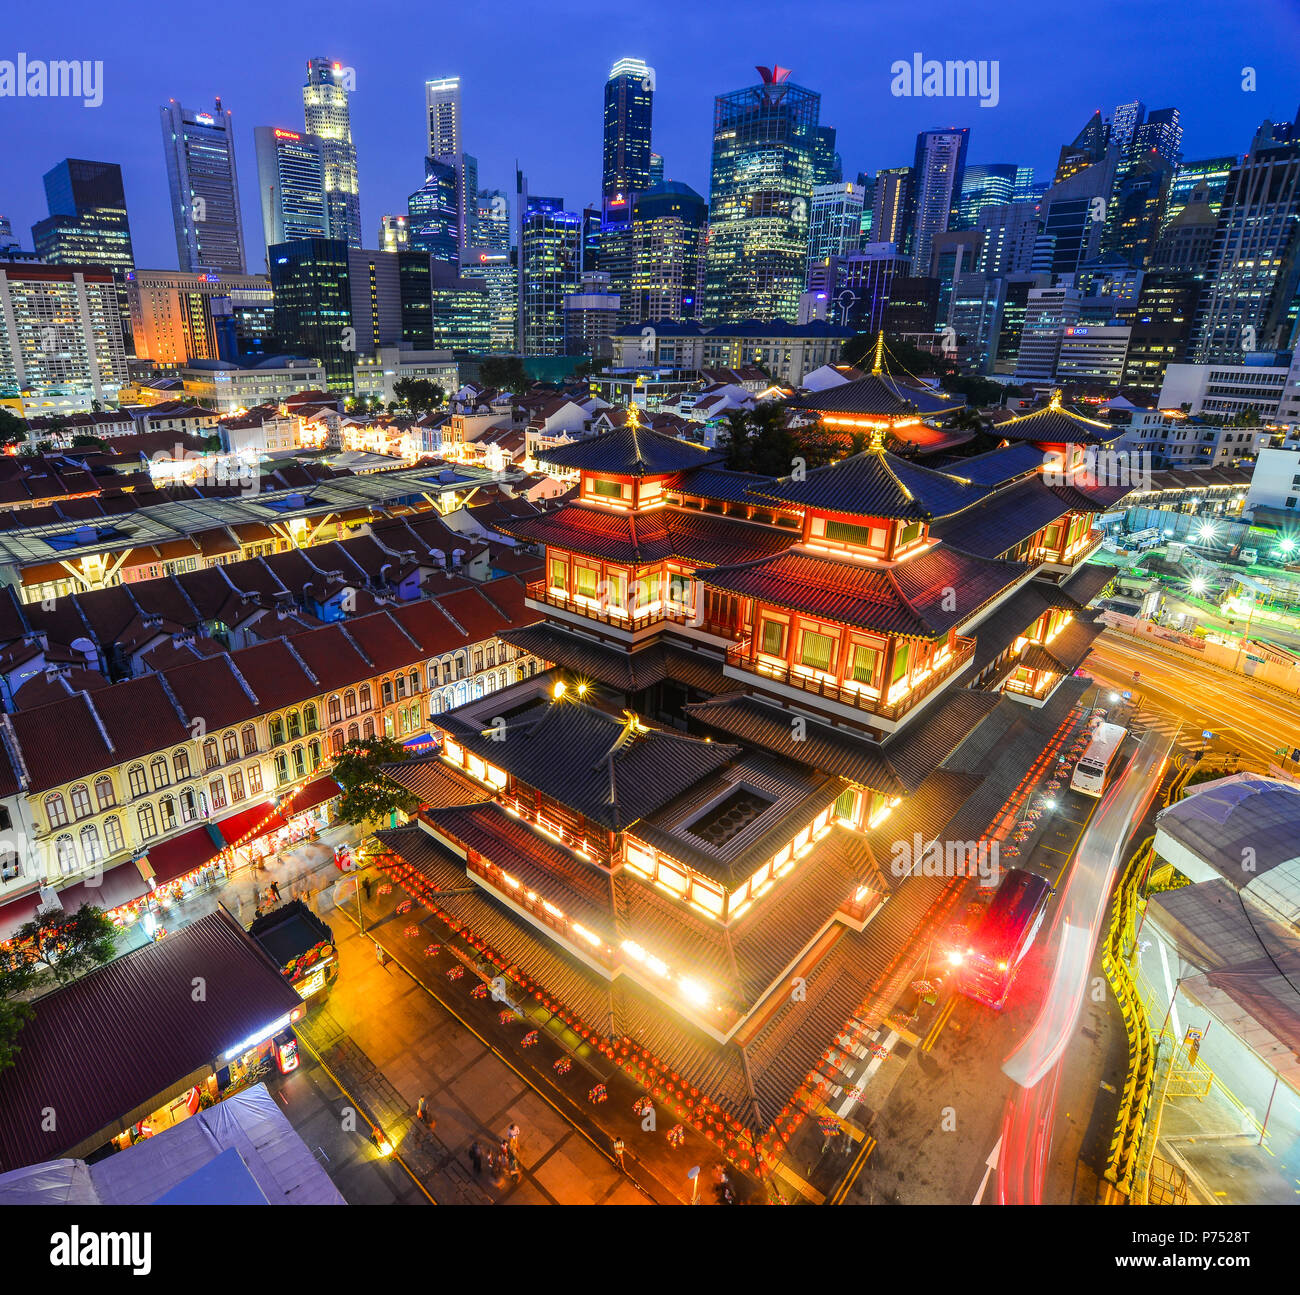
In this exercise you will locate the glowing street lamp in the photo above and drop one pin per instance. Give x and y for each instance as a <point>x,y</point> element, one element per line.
<point>1197,585</point>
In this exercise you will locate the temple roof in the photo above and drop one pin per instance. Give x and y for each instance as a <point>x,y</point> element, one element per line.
<point>705,539</point>
<point>612,771</point>
<point>629,451</point>
<point>1056,425</point>
<point>876,483</point>
<point>924,597</point>
<point>880,395</point>
<point>996,467</point>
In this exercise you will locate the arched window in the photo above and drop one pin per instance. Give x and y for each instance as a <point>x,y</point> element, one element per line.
<point>80,795</point>
<point>144,816</point>
<point>211,756</point>
<point>277,730</point>
<point>217,792</point>
<point>113,834</point>
<point>90,843</point>
<point>413,681</point>
<point>66,853</point>
<point>462,664</point>
<point>334,710</point>
<point>281,767</point>
<point>254,778</point>
<point>336,743</point>
<point>354,733</point>
<point>386,692</point>
<point>230,745</point>
<point>309,721</point>
<point>313,752</point>
<point>189,805</point>
<point>104,791</point>
<point>364,692</point>
<point>369,728</point>
<point>248,735</point>
<point>236,786</point>
<point>446,670</point>
<point>349,702</point>
<point>433,674</point>
<point>167,811</point>
<point>295,725</point>
<point>158,768</point>
<point>435,704</point>
<point>299,762</point>
<point>181,765</point>
<point>136,781</point>
<point>55,810</point>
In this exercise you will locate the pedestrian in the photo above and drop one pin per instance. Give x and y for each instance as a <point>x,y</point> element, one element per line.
<point>365,886</point>
<point>421,1113</point>
<point>476,1157</point>
<point>275,891</point>
<point>257,910</point>
<point>619,1147</point>
<point>503,1156</point>
<point>491,1160</point>
<point>513,1134</point>
<point>379,952</point>
<point>514,1166</point>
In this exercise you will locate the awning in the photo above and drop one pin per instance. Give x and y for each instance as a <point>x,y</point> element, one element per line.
<point>309,796</point>
<point>117,886</point>
<point>256,820</point>
<point>422,742</point>
<point>18,912</point>
<point>184,853</point>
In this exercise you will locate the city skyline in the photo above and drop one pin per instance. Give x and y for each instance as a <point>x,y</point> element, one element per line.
<point>559,143</point>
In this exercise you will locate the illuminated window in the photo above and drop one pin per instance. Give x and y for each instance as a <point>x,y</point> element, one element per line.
<point>772,639</point>
<point>815,650</point>
<point>673,878</point>
<point>863,662</point>
<point>902,652</point>
<point>607,489</point>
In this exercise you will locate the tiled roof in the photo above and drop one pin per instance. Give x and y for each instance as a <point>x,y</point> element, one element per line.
<point>211,689</point>
<point>383,641</point>
<point>721,484</point>
<point>474,613</point>
<point>876,483</point>
<point>881,395</point>
<point>1087,582</point>
<point>434,782</point>
<point>997,631</point>
<point>593,763</point>
<point>274,674</point>
<point>922,598</point>
<point>332,657</point>
<point>999,523</point>
<point>997,467</point>
<point>702,538</point>
<point>103,1047</point>
<point>628,451</point>
<point>1056,425</point>
<point>80,747</point>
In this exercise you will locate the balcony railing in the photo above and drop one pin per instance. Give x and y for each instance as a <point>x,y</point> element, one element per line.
<point>592,609</point>
<point>849,693</point>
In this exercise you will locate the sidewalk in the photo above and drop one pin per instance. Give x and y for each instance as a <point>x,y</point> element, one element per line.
<point>555,1100</point>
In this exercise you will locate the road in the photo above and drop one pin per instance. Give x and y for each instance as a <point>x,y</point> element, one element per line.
<point>1251,720</point>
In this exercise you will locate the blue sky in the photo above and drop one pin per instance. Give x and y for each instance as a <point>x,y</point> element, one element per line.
<point>532,77</point>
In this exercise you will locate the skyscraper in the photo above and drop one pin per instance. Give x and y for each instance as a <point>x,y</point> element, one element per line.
<point>656,170</point>
<point>891,207</point>
<point>442,112</point>
<point>629,110</point>
<point>291,184</point>
<point>835,225</point>
<point>313,305</point>
<point>828,166</point>
<point>550,269</point>
<point>764,142</point>
<point>326,115</point>
<point>939,168</point>
<point>201,174</point>
<point>1161,133</point>
<point>394,233</point>
<point>433,214</point>
<point>1087,148</point>
<point>1135,214</point>
<point>988,184</point>
<point>1074,213</point>
<point>1128,117</point>
<point>1252,302</point>
<point>668,227</point>
<point>1207,177</point>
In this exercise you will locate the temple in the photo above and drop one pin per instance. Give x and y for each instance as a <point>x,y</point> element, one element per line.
<point>681,834</point>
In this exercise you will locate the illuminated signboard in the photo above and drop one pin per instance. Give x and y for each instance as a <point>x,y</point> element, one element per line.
<point>286,134</point>
<point>204,119</point>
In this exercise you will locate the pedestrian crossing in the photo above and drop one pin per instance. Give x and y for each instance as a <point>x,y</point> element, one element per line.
<point>1167,725</point>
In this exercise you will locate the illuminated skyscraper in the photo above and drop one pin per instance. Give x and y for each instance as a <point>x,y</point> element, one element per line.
<point>291,184</point>
<point>764,146</point>
<point>442,113</point>
<point>326,113</point>
<point>200,150</point>
<point>937,172</point>
<point>629,108</point>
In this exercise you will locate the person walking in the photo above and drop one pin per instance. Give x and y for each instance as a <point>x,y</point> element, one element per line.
<point>513,1166</point>
<point>512,1133</point>
<point>476,1157</point>
<point>275,891</point>
<point>491,1160</point>
<point>503,1156</point>
<point>619,1148</point>
<point>365,887</point>
<point>421,1112</point>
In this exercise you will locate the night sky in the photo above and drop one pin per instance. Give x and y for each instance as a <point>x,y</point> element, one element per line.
<point>532,77</point>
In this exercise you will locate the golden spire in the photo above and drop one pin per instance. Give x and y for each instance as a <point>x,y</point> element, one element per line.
<point>878,362</point>
<point>1055,402</point>
<point>633,417</point>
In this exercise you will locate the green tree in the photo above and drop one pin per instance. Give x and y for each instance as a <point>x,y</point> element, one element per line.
<point>419,395</point>
<point>13,430</point>
<point>368,793</point>
<point>84,439</point>
<point>53,948</point>
<point>504,372</point>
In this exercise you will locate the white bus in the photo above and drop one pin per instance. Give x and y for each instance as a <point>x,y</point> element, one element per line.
<point>1094,764</point>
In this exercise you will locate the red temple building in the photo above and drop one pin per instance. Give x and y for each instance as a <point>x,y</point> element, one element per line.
<point>682,832</point>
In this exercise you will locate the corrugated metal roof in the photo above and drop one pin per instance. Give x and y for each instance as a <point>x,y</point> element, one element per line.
<point>128,1031</point>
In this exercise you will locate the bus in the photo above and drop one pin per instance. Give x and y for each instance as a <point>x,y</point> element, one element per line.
<point>988,966</point>
<point>1090,773</point>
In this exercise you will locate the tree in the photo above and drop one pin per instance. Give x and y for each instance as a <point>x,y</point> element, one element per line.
<point>84,439</point>
<point>55,946</point>
<point>13,430</point>
<point>419,395</point>
<point>504,372</point>
<point>368,793</point>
